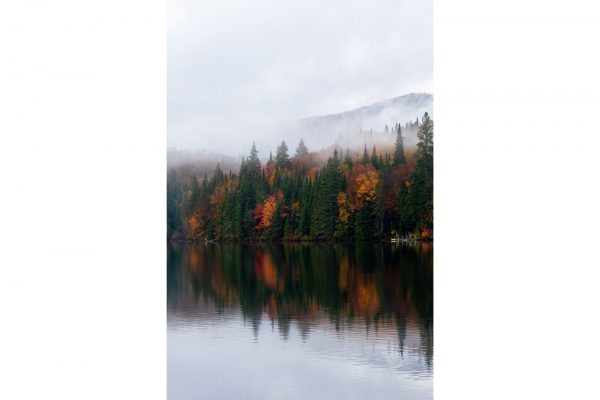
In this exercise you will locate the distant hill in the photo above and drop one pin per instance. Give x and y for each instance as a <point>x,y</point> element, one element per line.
<point>355,125</point>
<point>349,129</point>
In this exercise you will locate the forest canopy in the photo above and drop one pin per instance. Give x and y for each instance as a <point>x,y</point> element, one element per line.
<point>369,195</point>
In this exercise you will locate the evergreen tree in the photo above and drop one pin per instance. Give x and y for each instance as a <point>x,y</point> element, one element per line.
<point>348,159</point>
<point>194,193</point>
<point>302,150</point>
<point>250,179</point>
<point>275,230</point>
<point>399,158</point>
<point>324,213</point>
<point>174,218</point>
<point>282,159</point>
<point>416,200</point>
<point>365,158</point>
<point>364,226</point>
<point>305,208</point>
<point>425,136</point>
<point>374,158</point>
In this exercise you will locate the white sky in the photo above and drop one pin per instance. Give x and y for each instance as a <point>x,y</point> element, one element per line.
<point>232,64</point>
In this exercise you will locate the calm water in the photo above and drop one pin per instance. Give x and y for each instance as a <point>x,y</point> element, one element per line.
<point>300,321</point>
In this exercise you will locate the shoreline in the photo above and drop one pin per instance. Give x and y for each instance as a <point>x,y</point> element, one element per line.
<point>262,241</point>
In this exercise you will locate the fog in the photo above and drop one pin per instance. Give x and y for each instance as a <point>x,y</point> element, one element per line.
<point>254,71</point>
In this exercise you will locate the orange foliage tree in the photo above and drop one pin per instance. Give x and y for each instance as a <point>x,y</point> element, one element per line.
<point>265,212</point>
<point>363,185</point>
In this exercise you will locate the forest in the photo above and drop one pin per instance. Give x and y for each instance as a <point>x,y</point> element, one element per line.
<point>371,195</point>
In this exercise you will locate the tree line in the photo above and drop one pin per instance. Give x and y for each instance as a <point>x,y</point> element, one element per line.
<point>368,196</point>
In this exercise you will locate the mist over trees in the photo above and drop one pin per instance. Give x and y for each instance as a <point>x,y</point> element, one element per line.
<point>369,196</point>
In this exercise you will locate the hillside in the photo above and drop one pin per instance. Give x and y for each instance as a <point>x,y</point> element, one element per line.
<point>351,128</point>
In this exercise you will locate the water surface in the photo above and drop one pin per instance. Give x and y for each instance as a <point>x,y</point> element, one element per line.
<point>300,321</point>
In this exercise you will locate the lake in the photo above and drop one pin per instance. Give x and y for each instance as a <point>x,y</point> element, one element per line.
<point>300,321</point>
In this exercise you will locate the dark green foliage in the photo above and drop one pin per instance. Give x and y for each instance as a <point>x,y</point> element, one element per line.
<point>250,179</point>
<point>415,206</point>
<point>364,227</point>
<point>325,210</point>
<point>275,231</point>
<point>282,159</point>
<point>174,206</point>
<point>293,201</point>
<point>399,157</point>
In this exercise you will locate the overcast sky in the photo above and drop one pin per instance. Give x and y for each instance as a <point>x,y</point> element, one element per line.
<point>233,64</point>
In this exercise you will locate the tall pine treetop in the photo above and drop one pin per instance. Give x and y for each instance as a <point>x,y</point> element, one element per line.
<point>365,158</point>
<point>399,158</point>
<point>302,150</point>
<point>425,135</point>
<point>282,159</point>
<point>374,159</point>
<point>252,164</point>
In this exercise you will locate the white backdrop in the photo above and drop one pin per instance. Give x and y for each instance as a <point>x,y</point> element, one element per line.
<point>82,169</point>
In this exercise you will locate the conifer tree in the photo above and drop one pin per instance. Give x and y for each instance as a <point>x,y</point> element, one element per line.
<point>348,159</point>
<point>425,136</point>
<point>275,230</point>
<point>174,217</point>
<point>282,159</point>
<point>364,226</point>
<point>415,208</point>
<point>305,208</point>
<point>374,159</point>
<point>324,213</point>
<point>399,158</point>
<point>302,150</point>
<point>250,179</point>
<point>365,158</point>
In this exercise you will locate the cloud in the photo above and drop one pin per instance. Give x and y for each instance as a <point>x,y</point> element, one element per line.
<point>232,65</point>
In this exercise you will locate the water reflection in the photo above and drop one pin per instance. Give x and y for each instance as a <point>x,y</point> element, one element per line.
<point>364,305</point>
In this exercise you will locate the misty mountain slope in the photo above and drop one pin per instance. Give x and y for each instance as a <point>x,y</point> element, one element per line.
<point>352,128</point>
<point>349,129</point>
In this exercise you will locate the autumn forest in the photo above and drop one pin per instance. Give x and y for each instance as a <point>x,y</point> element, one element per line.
<point>373,194</point>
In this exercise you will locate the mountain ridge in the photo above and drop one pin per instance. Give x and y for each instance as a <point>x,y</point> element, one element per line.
<point>380,105</point>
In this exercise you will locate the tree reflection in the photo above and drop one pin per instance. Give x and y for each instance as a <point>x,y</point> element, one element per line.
<point>311,284</point>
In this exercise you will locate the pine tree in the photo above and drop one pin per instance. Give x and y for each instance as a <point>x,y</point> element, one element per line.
<point>399,158</point>
<point>416,200</point>
<point>275,230</point>
<point>282,159</point>
<point>250,179</point>
<point>425,136</point>
<point>365,158</point>
<point>364,226</point>
<point>374,158</point>
<point>324,213</point>
<point>174,217</point>
<point>348,159</point>
<point>305,207</point>
<point>302,150</point>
